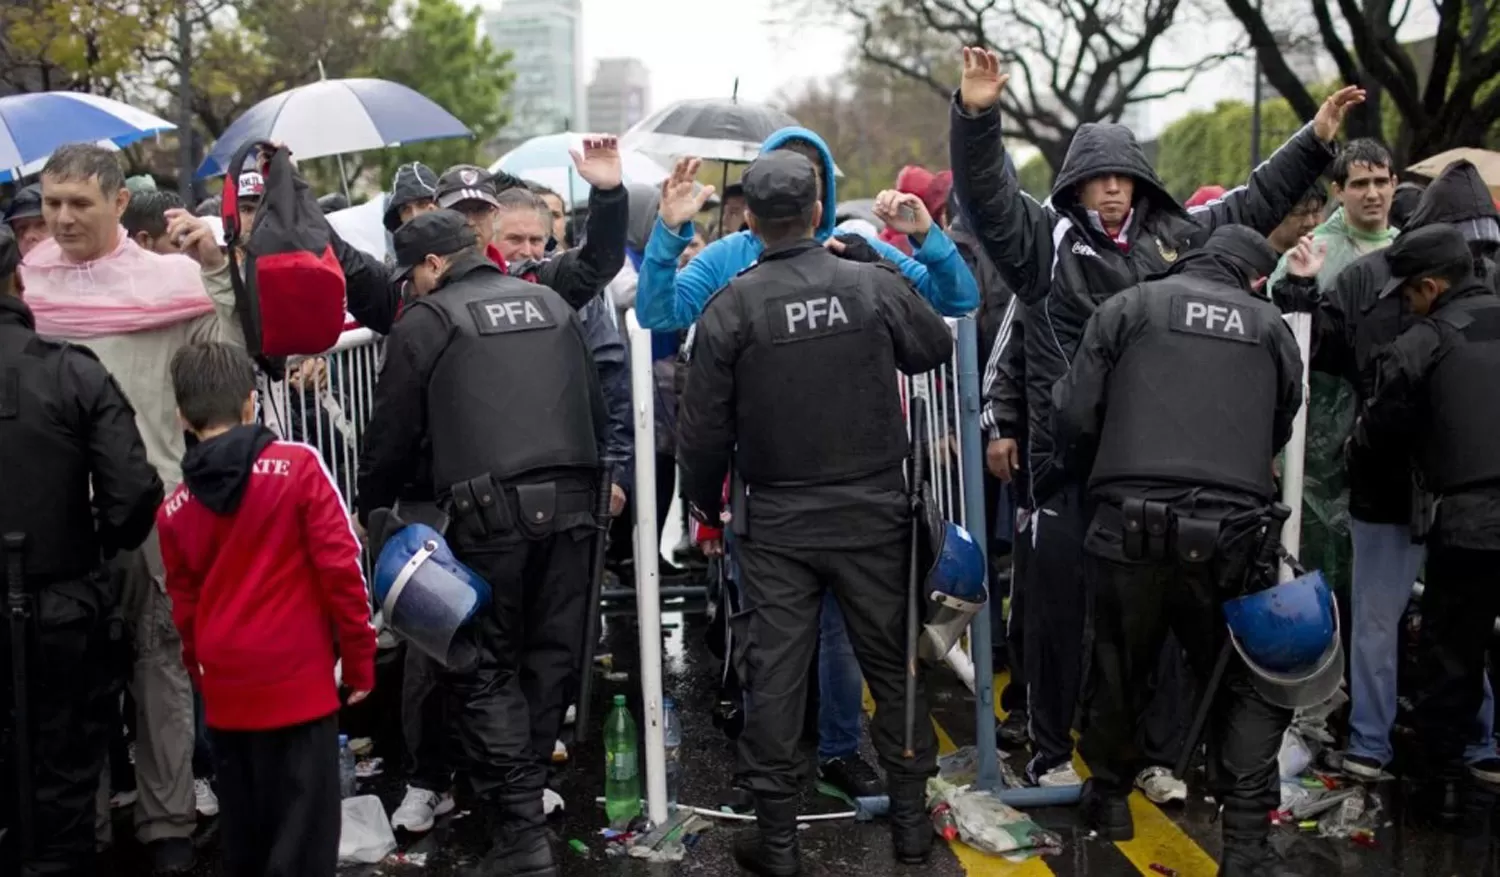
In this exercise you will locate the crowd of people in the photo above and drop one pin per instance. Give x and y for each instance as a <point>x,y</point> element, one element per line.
<point>180,562</point>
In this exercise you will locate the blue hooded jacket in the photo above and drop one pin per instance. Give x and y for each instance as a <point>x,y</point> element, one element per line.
<point>666,298</point>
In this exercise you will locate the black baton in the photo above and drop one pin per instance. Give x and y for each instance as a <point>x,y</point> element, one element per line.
<point>913,582</point>
<point>596,589</point>
<point>1275,517</point>
<point>18,608</point>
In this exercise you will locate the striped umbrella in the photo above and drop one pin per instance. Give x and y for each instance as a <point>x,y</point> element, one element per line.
<point>33,126</point>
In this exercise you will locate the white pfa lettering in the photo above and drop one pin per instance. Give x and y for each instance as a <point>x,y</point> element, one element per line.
<point>830,310</point>
<point>514,312</point>
<point>1215,318</point>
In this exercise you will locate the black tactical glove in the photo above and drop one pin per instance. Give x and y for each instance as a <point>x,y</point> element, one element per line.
<point>1297,295</point>
<point>857,248</point>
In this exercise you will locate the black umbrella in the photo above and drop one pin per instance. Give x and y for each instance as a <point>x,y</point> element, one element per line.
<point>713,129</point>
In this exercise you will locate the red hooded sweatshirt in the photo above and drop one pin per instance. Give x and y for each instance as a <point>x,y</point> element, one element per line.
<point>263,570</point>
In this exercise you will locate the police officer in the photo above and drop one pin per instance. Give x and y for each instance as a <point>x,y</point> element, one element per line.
<point>1182,391</point>
<point>793,370</point>
<point>491,376</point>
<point>78,489</point>
<point>1437,402</point>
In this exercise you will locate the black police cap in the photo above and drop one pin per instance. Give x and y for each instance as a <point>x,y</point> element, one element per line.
<point>1244,244</point>
<point>26,205</point>
<point>1422,252</point>
<point>780,185</point>
<point>438,233</point>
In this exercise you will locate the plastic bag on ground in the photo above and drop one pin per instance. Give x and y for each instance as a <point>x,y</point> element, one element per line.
<point>990,826</point>
<point>365,836</point>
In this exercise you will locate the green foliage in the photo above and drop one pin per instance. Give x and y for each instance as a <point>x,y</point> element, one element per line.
<point>63,44</point>
<point>1036,177</point>
<point>439,55</point>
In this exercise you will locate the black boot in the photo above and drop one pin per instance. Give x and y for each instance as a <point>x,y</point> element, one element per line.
<point>519,845</point>
<point>1107,813</point>
<point>911,827</point>
<point>770,849</point>
<point>1247,845</point>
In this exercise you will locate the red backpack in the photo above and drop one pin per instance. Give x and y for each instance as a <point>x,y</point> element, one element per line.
<point>290,296</point>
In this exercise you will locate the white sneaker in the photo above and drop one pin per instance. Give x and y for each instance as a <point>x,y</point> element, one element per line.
<point>420,809</point>
<point>1161,786</point>
<point>208,802</point>
<point>552,802</point>
<point>559,752</point>
<point>1062,775</point>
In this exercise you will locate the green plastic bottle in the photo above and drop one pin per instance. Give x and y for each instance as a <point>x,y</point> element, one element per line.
<point>622,773</point>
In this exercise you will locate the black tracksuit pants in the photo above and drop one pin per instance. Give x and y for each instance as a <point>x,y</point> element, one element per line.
<point>1459,607</point>
<point>279,803</point>
<point>1136,604</point>
<point>776,636</point>
<point>1055,607</point>
<point>507,706</point>
<point>76,652</point>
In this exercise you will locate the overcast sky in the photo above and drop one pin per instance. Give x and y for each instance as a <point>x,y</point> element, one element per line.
<point>696,49</point>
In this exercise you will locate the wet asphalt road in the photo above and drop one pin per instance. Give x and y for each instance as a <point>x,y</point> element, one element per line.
<point>1184,840</point>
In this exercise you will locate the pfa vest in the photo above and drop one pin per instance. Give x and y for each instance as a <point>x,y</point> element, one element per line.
<point>513,391</point>
<point>1193,396</point>
<point>817,401</point>
<point>1459,447</point>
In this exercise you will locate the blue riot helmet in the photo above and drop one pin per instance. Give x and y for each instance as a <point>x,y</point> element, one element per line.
<point>1289,638</point>
<point>424,592</point>
<point>953,584</point>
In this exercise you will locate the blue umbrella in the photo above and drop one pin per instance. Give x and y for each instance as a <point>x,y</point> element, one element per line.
<point>336,116</point>
<point>33,126</point>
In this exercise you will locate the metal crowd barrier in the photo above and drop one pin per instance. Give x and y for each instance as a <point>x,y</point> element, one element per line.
<point>332,416</point>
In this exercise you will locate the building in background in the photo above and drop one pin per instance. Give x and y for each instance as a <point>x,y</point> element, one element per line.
<point>619,95</point>
<point>545,40</point>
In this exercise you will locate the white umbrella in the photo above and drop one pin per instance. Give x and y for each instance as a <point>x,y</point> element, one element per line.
<point>34,125</point>
<point>545,160</point>
<point>363,227</point>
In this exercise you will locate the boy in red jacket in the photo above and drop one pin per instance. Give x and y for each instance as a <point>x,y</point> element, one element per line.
<point>263,572</point>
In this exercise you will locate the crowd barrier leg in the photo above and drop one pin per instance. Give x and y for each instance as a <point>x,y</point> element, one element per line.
<point>1294,461</point>
<point>972,469</point>
<point>647,571</point>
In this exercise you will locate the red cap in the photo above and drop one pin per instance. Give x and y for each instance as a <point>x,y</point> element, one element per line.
<point>1204,195</point>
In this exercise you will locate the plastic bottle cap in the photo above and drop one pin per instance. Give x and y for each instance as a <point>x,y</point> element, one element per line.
<point>343,739</point>
<point>619,700</point>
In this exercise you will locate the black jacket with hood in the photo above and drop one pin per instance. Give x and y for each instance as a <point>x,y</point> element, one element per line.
<point>1352,324</point>
<point>1059,261</point>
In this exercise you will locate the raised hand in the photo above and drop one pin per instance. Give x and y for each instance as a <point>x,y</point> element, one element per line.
<point>599,163</point>
<point>1333,111</point>
<point>1306,259</point>
<point>983,82</point>
<point>903,213</point>
<point>681,197</point>
<point>195,239</point>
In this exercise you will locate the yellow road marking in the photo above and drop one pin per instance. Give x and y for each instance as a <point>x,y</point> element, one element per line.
<point>973,861</point>
<point>1158,840</point>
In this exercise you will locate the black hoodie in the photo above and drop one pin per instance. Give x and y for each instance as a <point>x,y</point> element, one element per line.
<point>217,470</point>
<point>1352,324</point>
<point>1062,266</point>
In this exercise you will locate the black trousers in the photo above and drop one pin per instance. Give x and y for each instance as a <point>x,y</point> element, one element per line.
<point>776,636</point>
<point>424,721</point>
<point>508,707</point>
<point>1459,607</point>
<point>1056,614</point>
<point>279,805</point>
<point>1136,605</point>
<point>1014,696</point>
<point>77,653</point>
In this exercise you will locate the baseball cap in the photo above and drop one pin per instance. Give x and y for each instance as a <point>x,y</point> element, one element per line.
<point>439,233</point>
<point>10,253</point>
<point>252,185</point>
<point>466,182</point>
<point>26,205</point>
<point>1421,252</point>
<point>780,185</point>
